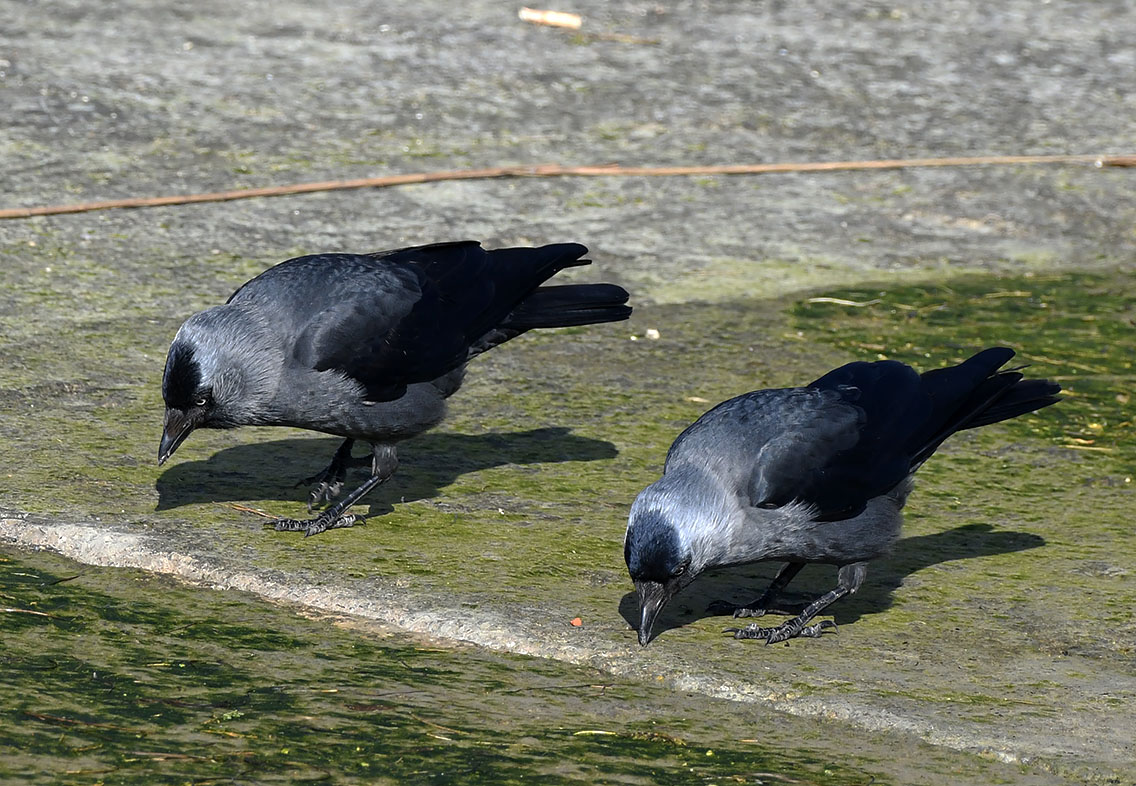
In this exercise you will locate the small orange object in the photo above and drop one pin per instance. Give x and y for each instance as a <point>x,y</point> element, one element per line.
<point>576,622</point>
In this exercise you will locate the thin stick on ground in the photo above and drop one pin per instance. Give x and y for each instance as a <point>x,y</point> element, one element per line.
<point>247,509</point>
<point>28,611</point>
<point>557,170</point>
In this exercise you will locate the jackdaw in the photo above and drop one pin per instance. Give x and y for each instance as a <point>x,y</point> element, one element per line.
<point>364,346</point>
<point>812,474</point>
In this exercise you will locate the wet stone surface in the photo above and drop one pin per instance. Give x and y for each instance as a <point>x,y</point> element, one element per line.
<point>1001,625</point>
<point>174,685</point>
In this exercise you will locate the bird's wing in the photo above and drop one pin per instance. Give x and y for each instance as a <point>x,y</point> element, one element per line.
<point>827,446</point>
<point>466,292</point>
<point>398,317</point>
<point>343,312</point>
<point>856,432</point>
<point>892,408</point>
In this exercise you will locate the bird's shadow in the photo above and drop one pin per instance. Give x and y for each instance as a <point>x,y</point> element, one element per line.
<point>270,470</point>
<point>910,555</point>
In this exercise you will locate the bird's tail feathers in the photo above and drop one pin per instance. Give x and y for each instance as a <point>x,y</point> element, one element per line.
<point>551,259</point>
<point>1026,395</point>
<point>958,381</point>
<point>569,305</point>
<point>983,394</point>
<point>460,263</point>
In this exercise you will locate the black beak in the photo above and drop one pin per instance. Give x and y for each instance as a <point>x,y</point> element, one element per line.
<point>178,427</point>
<point>652,597</point>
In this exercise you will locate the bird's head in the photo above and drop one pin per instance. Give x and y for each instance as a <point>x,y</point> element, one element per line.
<point>206,383</point>
<point>659,559</point>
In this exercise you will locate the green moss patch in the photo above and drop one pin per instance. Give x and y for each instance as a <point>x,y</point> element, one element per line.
<point>121,677</point>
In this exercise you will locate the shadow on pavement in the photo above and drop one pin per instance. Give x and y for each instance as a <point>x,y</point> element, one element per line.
<point>910,555</point>
<point>428,463</point>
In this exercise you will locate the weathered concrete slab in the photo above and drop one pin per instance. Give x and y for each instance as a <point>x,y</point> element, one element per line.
<point>989,630</point>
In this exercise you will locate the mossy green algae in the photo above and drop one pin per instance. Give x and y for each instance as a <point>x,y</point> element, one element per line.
<point>518,502</point>
<point>119,677</point>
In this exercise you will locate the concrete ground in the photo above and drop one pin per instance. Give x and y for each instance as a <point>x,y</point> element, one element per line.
<point>529,482</point>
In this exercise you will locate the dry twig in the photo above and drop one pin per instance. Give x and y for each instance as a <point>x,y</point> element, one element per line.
<point>29,611</point>
<point>556,170</point>
<point>247,509</point>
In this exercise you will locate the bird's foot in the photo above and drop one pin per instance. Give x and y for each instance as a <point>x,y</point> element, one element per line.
<point>790,630</point>
<point>320,523</point>
<point>326,485</point>
<point>722,608</point>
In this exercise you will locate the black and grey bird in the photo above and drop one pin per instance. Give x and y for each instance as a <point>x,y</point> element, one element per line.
<point>365,346</point>
<point>812,474</point>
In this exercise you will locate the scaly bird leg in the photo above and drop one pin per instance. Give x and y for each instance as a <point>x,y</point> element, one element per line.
<point>849,580</point>
<point>760,606</point>
<point>383,464</point>
<point>329,481</point>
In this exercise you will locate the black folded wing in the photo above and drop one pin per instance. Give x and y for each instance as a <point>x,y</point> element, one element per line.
<point>394,318</point>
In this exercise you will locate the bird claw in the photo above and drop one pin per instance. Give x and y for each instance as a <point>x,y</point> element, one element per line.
<point>753,631</point>
<point>317,525</point>
<point>724,608</point>
<point>790,630</point>
<point>324,492</point>
<point>327,485</point>
<point>741,612</point>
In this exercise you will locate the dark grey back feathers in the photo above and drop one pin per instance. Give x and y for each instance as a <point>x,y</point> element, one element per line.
<point>394,318</point>
<point>857,432</point>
